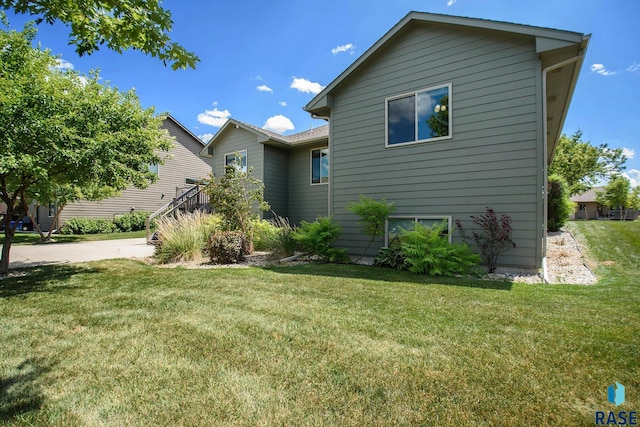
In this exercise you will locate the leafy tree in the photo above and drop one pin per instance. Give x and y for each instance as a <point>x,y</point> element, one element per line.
<point>63,134</point>
<point>559,204</point>
<point>615,194</point>
<point>633,202</point>
<point>439,121</point>
<point>142,25</point>
<point>582,164</point>
<point>373,216</point>
<point>235,196</point>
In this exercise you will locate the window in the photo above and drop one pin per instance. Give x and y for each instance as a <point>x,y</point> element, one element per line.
<point>52,209</point>
<point>239,159</point>
<point>395,223</point>
<point>419,116</point>
<point>154,168</point>
<point>319,166</point>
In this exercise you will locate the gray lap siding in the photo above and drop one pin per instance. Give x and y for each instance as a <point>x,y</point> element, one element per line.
<point>492,158</point>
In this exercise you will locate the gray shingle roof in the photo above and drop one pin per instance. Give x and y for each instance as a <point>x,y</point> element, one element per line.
<point>297,138</point>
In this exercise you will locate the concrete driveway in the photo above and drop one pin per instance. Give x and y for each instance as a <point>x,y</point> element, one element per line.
<point>64,253</point>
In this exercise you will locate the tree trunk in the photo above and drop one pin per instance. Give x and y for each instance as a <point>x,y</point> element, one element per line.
<point>9,233</point>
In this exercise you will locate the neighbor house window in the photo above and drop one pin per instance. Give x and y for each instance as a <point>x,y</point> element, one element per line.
<point>239,159</point>
<point>320,166</point>
<point>154,168</point>
<point>419,116</point>
<point>52,209</point>
<point>397,223</point>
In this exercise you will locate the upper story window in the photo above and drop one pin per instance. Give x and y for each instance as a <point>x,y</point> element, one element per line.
<point>320,166</point>
<point>239,159</point>
<point>154,168</point>
<point>420,116</point>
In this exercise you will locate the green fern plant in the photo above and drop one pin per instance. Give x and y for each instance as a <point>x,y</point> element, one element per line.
<point>427,250</point>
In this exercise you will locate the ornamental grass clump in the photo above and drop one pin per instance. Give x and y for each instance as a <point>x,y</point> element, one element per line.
<point>281,243</point>
<point>184,238</point>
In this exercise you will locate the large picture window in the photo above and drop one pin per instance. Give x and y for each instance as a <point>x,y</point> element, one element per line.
<point>397,223</point>
<point>320,166</point>
<point>239,158</point>
<point>419,116</point>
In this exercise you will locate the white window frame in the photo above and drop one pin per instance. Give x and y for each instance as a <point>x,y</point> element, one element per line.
<point>414,94</point>
<point>52,208</point>
<point>311,167</point>
<point>416,218</point>
<point>246,166</point>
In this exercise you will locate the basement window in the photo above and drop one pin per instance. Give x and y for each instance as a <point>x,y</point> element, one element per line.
<point>397,223</point>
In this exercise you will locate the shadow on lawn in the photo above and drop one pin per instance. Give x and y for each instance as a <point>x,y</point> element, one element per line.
<point>387,275</point>
<point>37,279</point>
<point>21,392</point>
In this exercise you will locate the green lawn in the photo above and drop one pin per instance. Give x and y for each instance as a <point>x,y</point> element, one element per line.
<point>124,343</point>
<point>31,238</point>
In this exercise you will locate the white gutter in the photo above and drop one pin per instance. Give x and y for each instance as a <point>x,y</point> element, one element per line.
<point>545,153</point>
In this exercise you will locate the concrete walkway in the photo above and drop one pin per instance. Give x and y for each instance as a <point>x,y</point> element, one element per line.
<point>64,253</point>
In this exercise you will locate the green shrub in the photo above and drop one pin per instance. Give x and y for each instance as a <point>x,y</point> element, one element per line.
<point>318,237</point>
<point>81,225</point>
<point>133,221</point>
<point>391,257</point>
<point>427,250</point>
<point>281,243</point>
<point>493,239</point>
<point>373,216</point>
<point>183,237</point>
<point>227,247</point>
<point>559,204</point>
<point>263,232</point>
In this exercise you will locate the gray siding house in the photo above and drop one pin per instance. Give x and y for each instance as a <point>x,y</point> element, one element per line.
<point>182,167</point>
<point>443,116</point>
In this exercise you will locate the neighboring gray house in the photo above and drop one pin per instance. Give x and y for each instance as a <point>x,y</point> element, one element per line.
<point>443,116</point>
<point>179,172</point>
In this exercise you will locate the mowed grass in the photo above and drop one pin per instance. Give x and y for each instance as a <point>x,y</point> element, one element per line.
<point>123,343</point>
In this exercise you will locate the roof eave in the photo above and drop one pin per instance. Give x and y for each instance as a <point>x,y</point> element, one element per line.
<point>320,104</point>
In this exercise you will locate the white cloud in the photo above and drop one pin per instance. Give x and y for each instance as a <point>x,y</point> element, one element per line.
<point>343,48</point>
<point>633,68</point>
<point>282,103</point>
<point>305,86</point>
<point>451,2</point>
<point>629,152</point>
<point>599,68</point>
<point>62,64</point>
<point>278,124</point>
<point>633,175</point>
<point>205,137</point>
<point>264,88</point>
<point>215,117</point>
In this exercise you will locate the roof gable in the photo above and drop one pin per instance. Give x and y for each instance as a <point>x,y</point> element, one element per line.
<point>546,39</point>
<point>265,136</point>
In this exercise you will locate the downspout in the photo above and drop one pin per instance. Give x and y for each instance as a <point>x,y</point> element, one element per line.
<point>545,153</point>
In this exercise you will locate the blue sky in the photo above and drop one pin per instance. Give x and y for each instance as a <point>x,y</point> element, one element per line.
<point>261,62</point>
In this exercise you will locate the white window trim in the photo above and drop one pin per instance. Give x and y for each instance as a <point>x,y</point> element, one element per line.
<point>414,93</point>
<point>157,167</point>
<point>449,219</point>
<point>233,153</point>
<point>311,167</point>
